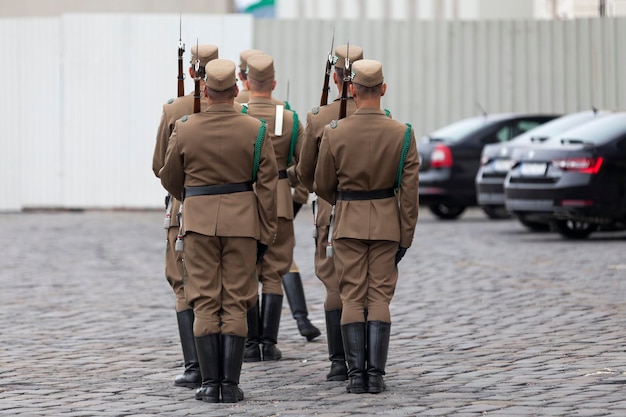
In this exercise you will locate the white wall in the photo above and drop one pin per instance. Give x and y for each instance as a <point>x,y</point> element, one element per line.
<point>82,101</point>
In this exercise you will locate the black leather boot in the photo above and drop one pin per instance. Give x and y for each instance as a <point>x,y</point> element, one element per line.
<point>338,368</point>
<point>232,358</point>
<point>292,284</point>
<point>271,308</point>
<point>377,348</point>
<point>209,354</point>
<point>354,347</point>
<point>252,352</point>
<point>191,377</point>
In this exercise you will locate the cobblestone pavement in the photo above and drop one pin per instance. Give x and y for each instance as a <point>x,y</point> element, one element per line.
<point>488,319</point>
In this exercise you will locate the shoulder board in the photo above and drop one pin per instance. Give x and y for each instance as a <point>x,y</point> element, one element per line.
<point>170,101</point>
<point>184,118</point>
<point>315,110</point>
<point>333,124</point>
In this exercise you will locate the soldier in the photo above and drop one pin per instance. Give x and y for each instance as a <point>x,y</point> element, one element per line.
<point>227,227</point>
<point>368,166</point>
<point>244,95</point>
<point>285,132</point>
<point>324,267</point>
<point>173,110</point>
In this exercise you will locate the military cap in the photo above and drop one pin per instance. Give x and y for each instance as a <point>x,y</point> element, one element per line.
<point>220,74</point>
<point>204,52</point>
<point>244,55</point>
<point>356,53</point>
<point>261,67</point>
<point>367,72</point>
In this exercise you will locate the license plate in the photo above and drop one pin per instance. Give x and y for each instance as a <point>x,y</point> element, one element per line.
<point>502,165</point>
<point>533,169</point>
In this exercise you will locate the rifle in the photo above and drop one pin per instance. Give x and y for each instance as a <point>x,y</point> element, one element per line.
<point>196,81</point>
<point>347,77</point>
<point>330,61</point>
<point>181,51</point>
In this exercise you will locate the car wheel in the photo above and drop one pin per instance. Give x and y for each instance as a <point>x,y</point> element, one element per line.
<point>534,226</point>
<point>573,229</point>
<point>446,211</point>
<point>496,212</point>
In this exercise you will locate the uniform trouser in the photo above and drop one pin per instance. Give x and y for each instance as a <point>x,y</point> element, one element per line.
<point>220,282</point>
<point>174,270</point>
<point>277,259</point>
<point>325,271</point>
<point>367,277</point>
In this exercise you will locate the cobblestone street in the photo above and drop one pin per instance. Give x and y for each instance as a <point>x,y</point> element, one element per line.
<point>488,319</point>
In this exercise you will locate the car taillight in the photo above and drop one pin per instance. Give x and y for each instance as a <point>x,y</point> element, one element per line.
<point>582,165</point>
<point>441,157</point>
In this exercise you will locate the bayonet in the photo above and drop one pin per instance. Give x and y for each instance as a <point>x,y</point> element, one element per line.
<point>330,61</point>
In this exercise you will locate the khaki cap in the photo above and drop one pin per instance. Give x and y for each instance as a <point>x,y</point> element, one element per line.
<point>220,74</point>
<point>244,55</point>
<point>356,53</point>
<point>367,72</point>
<point>204,52</point>
<point>261,67</point>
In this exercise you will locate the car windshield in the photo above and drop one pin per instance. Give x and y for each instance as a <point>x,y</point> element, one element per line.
<point>556,126</point>
<point>597,131</point>
<point>457,130</point>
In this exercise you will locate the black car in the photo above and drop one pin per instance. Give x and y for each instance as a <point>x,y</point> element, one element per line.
<point>450,157</point>
<point>496,160</point>
<point>576,180</point>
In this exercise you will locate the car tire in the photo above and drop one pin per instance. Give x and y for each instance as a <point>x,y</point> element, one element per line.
<point>572,229</point>
<point>496,212</point>
<point>533,226</point>
<point>446,211</point>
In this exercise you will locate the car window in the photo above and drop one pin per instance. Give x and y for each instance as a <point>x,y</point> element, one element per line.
<point>596,131</point>
<point>458,130</point>
<point>517,127</point>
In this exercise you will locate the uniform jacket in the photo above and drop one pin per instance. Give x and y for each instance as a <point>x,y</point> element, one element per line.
<point>265,108</point>
<point>217,147</point>
<point>316,120</point>
<point>362,153</point>
<point>173,110</point>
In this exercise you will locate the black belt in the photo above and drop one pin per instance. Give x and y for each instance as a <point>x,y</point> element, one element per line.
<point>365,195</point>
<point>282,174</point>
<point>218,189</point>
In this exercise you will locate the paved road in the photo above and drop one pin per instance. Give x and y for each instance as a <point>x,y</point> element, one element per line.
<point>488,319</point>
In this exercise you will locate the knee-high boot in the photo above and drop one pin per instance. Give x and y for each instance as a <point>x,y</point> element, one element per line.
<point>354,346</point>
<point>232,358</point>
<point>338,369</point>
<point>292,284</point>
<point>377,348</point>
<point>190,378</point>
<point>209,354</point>
<point>252,351</point>
<point>271,308</point>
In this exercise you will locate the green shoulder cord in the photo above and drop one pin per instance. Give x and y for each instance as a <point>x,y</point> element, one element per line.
<point>287,106</point>
<point>257,149</point>
<point>244,109</point>
<point>387,112</point>
<point>405,151</point>
<point>294,137</point>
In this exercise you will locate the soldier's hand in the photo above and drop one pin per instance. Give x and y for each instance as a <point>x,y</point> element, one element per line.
<point>400,254</point>
<point>296,208</point>
<point>261,248</point>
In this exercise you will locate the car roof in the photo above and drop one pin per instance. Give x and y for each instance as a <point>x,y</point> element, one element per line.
<point>559,125</point>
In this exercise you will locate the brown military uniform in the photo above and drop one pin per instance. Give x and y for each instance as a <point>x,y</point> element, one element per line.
<point>221,230</point>
<point>317,119</point>
<point>278,258</point>
<point>362,153</point>
<point>374,220</point>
